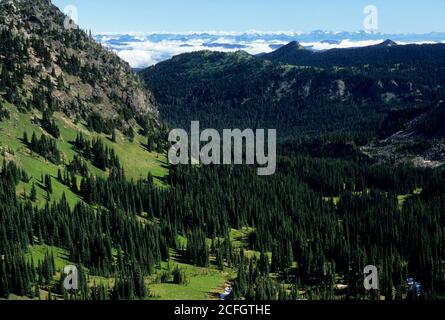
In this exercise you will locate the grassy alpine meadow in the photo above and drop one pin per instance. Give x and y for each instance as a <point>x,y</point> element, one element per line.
<point>201,283</point>
<point>37,254</point>
<point>136,161</point>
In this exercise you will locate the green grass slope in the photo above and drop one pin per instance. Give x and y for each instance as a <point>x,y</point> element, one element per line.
<point>134,158</point>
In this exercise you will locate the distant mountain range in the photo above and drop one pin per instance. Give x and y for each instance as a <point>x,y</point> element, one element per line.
<point>145,49</point>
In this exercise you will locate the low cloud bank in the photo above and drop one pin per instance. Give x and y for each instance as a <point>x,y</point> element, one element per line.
<point>143,50</point>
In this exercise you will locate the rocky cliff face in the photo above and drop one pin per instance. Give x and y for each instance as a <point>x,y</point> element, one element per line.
<point>49,62</point>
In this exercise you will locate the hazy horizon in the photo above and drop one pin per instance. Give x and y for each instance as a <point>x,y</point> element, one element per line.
<point>118,16</point>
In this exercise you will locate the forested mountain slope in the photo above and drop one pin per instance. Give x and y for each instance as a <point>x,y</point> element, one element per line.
<point>236,89</point>
<point>82,169</point>
<point>364,93</point>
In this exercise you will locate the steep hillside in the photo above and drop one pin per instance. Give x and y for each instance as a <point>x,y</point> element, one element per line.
<point>83,170</point>
<point>421,138</point>
<point>84,179</point>
<point>56,82</point>
<point>47,62</point>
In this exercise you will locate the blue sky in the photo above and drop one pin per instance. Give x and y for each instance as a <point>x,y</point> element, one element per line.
<point>395,16</point>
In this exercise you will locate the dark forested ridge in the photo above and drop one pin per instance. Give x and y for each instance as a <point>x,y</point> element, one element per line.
<point>388,52</point>
<point>383,91</point>
<point>236,89</point>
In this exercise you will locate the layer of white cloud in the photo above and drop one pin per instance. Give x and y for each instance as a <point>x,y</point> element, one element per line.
<point>342,45</point>
<point>146,49</point>
<point>147,53</point>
